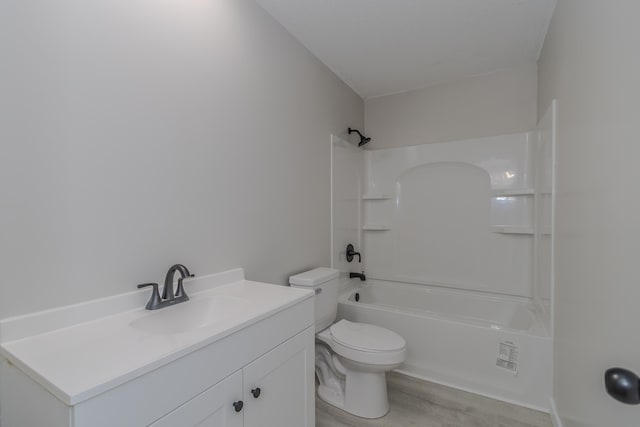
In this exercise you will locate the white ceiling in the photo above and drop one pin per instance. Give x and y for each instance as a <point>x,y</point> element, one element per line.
<point>380,47</point>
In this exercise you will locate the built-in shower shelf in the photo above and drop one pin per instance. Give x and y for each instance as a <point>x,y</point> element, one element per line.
<point>376,197</point>
<point>376,227</point>
<point>513,192</point>
<point>509,229</point>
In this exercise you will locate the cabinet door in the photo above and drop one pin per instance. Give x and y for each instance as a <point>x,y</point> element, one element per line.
<point>212,408</point>
<point>285,380</point>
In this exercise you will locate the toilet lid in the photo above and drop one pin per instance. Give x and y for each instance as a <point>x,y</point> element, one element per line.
<point>365,337</point>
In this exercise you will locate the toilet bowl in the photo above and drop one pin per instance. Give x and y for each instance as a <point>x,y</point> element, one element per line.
<point>351,358</point>
<point>364,353</point>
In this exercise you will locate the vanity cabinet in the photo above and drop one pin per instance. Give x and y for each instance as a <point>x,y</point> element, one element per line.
<point>266,363</point>
<point>271,391</point>
<point>275,390</point>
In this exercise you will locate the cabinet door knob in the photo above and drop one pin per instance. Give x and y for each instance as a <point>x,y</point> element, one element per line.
<point>238,405</point>
<point>256,392</point>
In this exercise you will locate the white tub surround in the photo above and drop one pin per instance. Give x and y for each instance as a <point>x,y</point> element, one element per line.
<point>455,214</point>
<point>111,362</point>
<point>347,182</point>
<point>492,345</point>
<point>456,244</point>
<point>545,213</point>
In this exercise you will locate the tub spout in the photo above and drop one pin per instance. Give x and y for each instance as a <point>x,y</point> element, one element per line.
<point>359,275</point>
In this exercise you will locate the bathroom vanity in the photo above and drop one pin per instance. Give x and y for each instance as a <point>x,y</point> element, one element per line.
<point>239,353</point>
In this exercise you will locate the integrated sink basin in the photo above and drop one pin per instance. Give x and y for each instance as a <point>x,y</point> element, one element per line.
<point>191,315</point>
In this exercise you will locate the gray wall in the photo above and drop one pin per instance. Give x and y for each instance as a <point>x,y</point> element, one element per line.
<point>141,133</point>
<point>590,63</point>
<point>486,105</point>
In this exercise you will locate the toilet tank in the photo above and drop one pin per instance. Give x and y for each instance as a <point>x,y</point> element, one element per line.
<point>324,281</point>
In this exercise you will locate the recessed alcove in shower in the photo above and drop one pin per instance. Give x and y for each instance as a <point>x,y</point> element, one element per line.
<point>438,223</point>
<point>455,240</point>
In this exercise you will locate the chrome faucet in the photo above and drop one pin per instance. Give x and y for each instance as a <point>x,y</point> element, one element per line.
<point>169,297</point>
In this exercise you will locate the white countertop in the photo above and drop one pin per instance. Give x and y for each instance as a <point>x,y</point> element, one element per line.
<point>84,357</point>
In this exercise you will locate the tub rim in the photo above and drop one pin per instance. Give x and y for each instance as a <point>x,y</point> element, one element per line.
<point>536,329</point>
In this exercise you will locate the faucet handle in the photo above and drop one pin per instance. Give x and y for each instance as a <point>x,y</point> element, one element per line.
<point>351,252</point>
<point>154,301</point>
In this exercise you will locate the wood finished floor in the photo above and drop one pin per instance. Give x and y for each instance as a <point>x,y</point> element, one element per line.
<point>416,403</point>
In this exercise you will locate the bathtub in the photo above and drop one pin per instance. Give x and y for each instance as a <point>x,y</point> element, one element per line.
<point>496,346</point>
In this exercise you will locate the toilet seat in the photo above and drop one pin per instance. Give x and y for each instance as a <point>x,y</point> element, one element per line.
<point>373,346</point>
<point>366,337</point>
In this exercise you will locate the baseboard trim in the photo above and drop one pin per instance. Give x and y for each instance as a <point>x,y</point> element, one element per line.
<point>553,411</point>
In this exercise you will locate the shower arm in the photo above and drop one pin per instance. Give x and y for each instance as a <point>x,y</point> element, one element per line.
<point>356,131</point>
<point>363,139</point>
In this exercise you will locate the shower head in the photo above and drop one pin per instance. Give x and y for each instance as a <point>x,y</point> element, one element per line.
<point>363,139</point>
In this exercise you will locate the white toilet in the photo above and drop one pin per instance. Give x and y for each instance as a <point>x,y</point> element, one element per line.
<point>351,358</point>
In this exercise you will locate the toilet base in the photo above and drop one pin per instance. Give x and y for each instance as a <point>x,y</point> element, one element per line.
<point>332,397</point>
<point>353,379</point>
<point>365,395</point>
